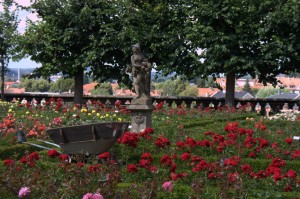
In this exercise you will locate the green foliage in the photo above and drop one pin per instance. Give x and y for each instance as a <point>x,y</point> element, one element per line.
<point>268,91</point>
<point>74,35</point>
<point>177,87</point>
<point>245,37</point>
<point>104,88</point>
<point>8,37</point>
<point>191,91</point>
<point>17,150</point>
<point>74,179</point>
<point>62,85</point>
<point>35,85</point>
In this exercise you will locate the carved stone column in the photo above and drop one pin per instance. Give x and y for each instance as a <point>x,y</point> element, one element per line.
<point>141,116</point>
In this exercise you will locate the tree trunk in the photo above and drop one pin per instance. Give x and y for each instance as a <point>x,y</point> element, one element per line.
<point>78,90</point>
<point>230,89</point>
<point>2,78</point>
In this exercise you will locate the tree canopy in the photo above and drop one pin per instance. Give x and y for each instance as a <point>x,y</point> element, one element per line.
<point>73,36</point>
<point>235,38</point>
<point>8,34</point>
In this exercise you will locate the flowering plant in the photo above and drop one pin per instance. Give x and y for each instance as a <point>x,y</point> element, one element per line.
<point>187,154</point>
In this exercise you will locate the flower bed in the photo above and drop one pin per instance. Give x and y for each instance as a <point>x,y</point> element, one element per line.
<point>188,153</point>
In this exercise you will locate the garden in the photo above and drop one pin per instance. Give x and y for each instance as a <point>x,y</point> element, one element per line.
<point>189,153</point>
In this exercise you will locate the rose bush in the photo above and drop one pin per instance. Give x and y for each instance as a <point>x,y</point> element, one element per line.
<point>188,153</point>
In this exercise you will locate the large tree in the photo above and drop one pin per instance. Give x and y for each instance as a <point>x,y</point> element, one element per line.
<point>74,35</point>
<point>160,28</point>
<point>245,37</point>
<point>8,34</point>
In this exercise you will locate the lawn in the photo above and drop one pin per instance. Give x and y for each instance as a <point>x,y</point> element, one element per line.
<point>224,153</point>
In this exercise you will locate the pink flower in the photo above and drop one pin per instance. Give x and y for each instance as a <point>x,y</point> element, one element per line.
<point>93,196</point>
<point>98,196</point>
<point>24,191</point>
<point>88,196</point>
<point>168,186</point>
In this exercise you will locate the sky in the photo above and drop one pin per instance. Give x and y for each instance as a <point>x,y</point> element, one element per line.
<point>23,16</point>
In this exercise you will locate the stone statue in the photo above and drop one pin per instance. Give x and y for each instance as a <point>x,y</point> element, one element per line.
<point>140,69</point>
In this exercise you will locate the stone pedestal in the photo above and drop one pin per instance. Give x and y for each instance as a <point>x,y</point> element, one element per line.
<point>141,116</point>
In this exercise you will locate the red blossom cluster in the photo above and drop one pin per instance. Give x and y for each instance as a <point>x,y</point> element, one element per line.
<point>162,142</point>
<point>147,133</point>
<point>104,156</point>
<point>130,139</point>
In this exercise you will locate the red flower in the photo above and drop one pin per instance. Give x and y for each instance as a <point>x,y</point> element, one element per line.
<point>232,161</point>
<point>263,143</point>
<point>64,157</point>
<point>289,140</point>
<point>147,156</point>
<point>104,156</point>
<point>269,156</point>
<point>252,155</point>
<point>191,142</point>
<point>291,174</point>
<point>94,168</point>
<point>34,156</point>
<point>296,154</point>
<point>147,133</point>
<point>246,168</point>
<point>153,169</point>
<point>176,176</point>
<point>274,145</point>
<point>132,168</point>
<point>31,163</point>
<point>232,177</point>
<point>144,163</point>
<point>160,105</point>
<point>205,143</point>
<point>166,160</point>
<point>277,162</point>
<point>277,177</point>
<point>23,160</point>
<point>180,144</point>
<point>162,142</point>
<point>80,164</point>
<point>9,162</point>
<point>173,167</point>
<point>231,126</point>
<point>185,156</point>
<point>288,188</point>
<point>202,165</point>
<point>53,153</point>
<point>212,176</point>
<point>129,139</point>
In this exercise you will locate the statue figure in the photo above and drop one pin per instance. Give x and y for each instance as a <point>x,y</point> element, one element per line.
<point>140,69</point>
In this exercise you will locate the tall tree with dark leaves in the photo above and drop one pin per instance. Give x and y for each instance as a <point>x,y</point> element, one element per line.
<point>245,37</point>
<point>8,34</point>
<point>73,36</point>
<point>160,28</point>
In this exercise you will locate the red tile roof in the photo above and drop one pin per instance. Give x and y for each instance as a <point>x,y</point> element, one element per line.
<point>87,88</point>
<point>207,92</point>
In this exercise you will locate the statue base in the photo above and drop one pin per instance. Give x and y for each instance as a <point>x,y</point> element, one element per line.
<point>141,115</point>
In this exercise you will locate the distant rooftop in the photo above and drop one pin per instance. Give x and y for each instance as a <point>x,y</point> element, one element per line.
<point>290,96</point>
